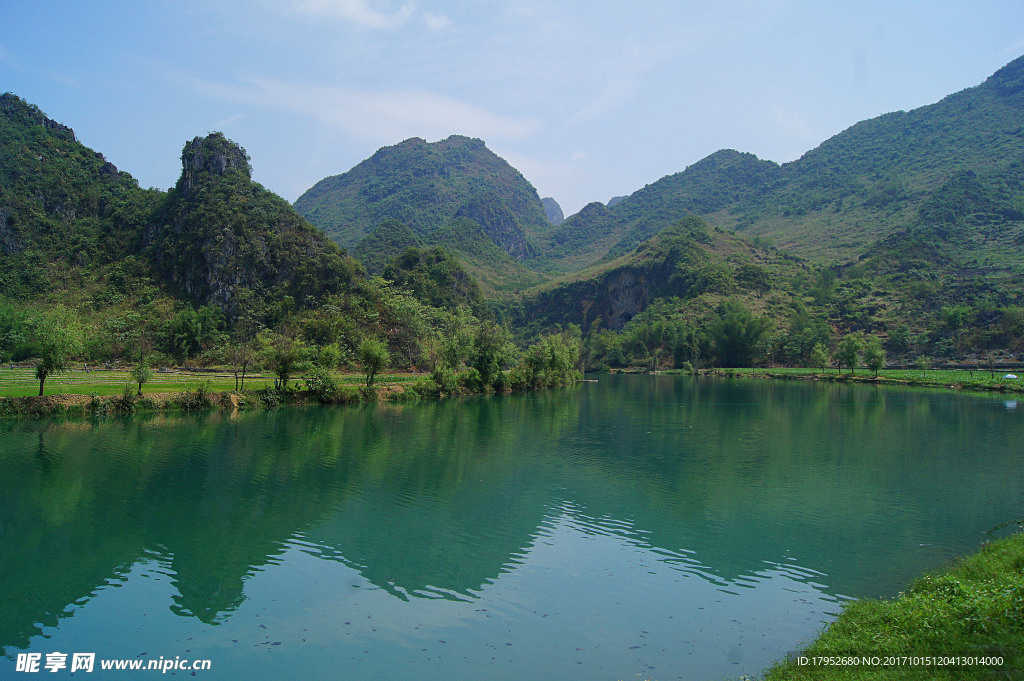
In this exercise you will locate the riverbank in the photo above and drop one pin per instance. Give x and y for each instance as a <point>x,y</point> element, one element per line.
<point>101,393</point>
<point>964,623</point>
<point>198,398</point>
<point>942,379</point>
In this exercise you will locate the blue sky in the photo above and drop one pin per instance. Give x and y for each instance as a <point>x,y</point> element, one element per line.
<point>588,100</point>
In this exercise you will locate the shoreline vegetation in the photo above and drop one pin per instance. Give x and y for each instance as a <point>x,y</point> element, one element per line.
<point>963,622</point>
<point>101,391</point>
<point>110,392</point>
<point>944,379</point>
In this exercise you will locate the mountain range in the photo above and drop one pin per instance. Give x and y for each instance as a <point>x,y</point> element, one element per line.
<point>882,226</point>
<point>833,205</point>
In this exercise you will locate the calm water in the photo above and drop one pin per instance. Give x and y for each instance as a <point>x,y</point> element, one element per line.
<point>639,527</point>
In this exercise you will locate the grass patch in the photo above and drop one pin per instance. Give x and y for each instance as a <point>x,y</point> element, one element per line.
<point>22,382</point>
<point>974,609</point>
<point>103,393</point>
<point>959,379</point>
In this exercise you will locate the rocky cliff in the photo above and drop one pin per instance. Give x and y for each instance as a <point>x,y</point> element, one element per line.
<point>219,233</point>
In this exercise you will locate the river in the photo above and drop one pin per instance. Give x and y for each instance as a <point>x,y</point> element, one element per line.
<point>640,527</point>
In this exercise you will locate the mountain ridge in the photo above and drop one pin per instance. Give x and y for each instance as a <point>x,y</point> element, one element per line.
<point>427,186</point>
<point>890,162</point>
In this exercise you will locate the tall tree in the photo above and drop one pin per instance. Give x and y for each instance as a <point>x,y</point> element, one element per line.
<point>374,356</point>
<point>736,333</point>
<point>849,350</point>
<point>874,355</point>
<point>58,339</point>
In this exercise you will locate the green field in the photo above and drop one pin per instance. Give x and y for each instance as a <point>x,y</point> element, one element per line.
<point>960,379</point>
<point>22,382</point>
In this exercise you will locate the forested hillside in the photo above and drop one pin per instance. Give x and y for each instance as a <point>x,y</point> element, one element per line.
<point>427,187</point>
<point>836,201</point>
<point>220,271</point>
<point>899,238</point>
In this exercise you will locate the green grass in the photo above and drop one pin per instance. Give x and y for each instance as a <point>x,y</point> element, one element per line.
<point>941,378</point>
<point>975,609</point>
<point>22,382</point>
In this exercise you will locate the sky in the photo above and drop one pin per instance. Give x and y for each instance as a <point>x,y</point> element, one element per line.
<point>588,99</point>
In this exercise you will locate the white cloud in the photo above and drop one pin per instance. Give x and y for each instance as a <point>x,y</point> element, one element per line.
<point>384,117</point>
<point>436,22</point>
<point>219,125</point>
<point>358,11</point>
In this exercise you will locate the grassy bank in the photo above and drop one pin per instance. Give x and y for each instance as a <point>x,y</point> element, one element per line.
<point>82,393</point>
<point>971,611</point>
<point>948,379</point>
<point>22,381</point>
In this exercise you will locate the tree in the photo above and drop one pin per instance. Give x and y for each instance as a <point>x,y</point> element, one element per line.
<point>141,373</point>
<point>374,356</point>
<point>900,339</point>
<point>242,356</point>
<point>736,334</point>
<point>285,354</point>
<point>553,359</point>
<point>849,351</point>
<point>58,339</point>
<point>955,317</point>
<point>819,356</point>
<point>754,277</point>
<point>329,357</point>
<point>491,351</point>
<point>191,331</point>
<point>874,355</point>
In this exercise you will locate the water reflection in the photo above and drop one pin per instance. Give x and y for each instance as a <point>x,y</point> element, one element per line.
<point>826,490</point>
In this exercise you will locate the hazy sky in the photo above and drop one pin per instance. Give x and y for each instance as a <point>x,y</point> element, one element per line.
<point>588,99</point>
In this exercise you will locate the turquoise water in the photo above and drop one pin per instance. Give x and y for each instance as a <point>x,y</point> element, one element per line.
<point>638,527</point>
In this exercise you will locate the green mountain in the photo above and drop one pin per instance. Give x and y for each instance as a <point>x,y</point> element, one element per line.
<point>599,231</point>
<point>428,187</point>
<point>690,262</point>
<point>71,222</point>
<point>835,202</point>
<point>66,214</point>
<point>907,228</point>
<point>217,234</point>
<point>217,270</point>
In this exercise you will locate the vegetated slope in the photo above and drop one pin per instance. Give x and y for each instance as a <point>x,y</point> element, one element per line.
<point>837,200</point>
<point>428,186</point>
<point>494,269</point>
<point>218,233</point>
<point>688,262</point>
<point>599,231</point>
<point>75,228</point>
<point>66,214</point>
<point>216,270</point>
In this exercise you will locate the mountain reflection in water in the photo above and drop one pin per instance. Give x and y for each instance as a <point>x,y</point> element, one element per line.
<point>669,494</point>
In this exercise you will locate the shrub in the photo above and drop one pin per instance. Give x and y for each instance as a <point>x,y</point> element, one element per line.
<point>470,379</point>
<point>125,402</point>
<point>445,380</point>
<point>195,400</point>
<point>321,383</point>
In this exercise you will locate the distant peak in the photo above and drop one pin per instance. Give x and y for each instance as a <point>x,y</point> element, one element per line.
<point>215,154</point>
<point>552,211</point>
